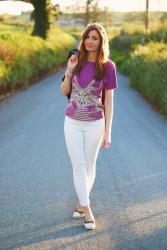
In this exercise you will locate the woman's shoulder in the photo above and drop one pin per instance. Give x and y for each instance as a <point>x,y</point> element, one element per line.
<point>110,64</point>
<point>110,78</point>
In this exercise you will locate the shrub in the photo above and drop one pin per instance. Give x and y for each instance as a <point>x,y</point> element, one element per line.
<point>23,57</point>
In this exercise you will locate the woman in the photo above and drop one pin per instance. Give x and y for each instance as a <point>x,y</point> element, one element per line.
<point>88,120</point>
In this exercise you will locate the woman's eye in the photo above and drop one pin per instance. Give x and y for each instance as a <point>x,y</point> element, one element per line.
<point>94,38</point>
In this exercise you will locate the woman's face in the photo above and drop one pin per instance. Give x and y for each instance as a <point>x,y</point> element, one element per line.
<point>92,41</point>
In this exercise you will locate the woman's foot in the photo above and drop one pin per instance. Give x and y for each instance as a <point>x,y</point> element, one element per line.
<point>78,213</point>
<point>86,212</point>
<point>78,206</point>
<point>89,220</point>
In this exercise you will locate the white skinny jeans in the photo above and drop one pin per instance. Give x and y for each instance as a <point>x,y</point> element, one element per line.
<point>83,141</point>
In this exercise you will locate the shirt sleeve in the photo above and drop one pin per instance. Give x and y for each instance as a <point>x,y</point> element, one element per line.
<point>110,80</point>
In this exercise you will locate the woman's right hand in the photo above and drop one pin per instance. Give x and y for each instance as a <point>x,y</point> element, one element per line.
<point>72,62</point>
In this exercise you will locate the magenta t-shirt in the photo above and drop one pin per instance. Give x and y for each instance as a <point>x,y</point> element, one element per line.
<point>85,102</point>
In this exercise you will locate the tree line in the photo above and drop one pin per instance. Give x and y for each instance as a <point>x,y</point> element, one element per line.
<point>45,13</point>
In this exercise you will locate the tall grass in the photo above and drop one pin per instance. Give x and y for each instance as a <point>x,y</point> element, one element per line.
<point>143,57</point>
<point>24,57</point>
<point>148,72</point>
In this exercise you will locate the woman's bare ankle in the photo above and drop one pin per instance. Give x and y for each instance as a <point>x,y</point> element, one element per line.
<point>78,205</point>
<point>88,212</point>
<point>85,207</point>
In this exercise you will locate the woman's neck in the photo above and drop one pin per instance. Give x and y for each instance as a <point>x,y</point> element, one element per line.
<point>91,56</point>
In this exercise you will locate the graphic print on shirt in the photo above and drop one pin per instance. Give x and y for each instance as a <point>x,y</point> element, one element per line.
<point>85,103</point>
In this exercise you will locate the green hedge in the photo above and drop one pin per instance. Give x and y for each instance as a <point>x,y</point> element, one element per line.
<point>146,65</point>
<point>24,57</point>
<point>148,72</point>
<point>125,41</point>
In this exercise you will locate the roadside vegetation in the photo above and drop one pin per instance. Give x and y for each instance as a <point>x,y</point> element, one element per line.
<point>25,58</point>
<point>143,57</point>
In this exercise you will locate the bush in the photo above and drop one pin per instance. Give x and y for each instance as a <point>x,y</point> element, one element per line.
<point>146,66</point>
<point>23,57</point>
<point>148,73</point>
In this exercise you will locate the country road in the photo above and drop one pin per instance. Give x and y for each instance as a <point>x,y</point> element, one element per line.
<point>37,196</point>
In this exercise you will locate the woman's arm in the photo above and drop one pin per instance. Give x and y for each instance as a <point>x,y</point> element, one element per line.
<point>108,107</point>
<point>108,114</point>
<point>65,86</point>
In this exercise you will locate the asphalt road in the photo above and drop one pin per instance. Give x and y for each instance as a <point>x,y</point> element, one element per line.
<point>37,196</point>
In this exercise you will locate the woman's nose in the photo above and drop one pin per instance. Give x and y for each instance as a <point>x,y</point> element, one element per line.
<point>90,39</point>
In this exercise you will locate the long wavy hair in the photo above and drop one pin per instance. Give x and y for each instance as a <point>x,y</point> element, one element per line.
<point>103,52</point>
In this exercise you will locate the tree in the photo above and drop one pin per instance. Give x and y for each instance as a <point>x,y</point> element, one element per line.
<point>146,15</point>
<point>55,11</point>
<point>42,16</point>
<point>107,18</point>
<point>95,11</point>
<point>87,17</point>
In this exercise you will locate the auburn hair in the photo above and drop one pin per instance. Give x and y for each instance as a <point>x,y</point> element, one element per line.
<point>103,52</point>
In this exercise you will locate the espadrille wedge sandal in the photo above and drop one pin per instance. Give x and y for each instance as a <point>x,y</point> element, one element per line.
<point>78,214</point>
<point>90,224</point>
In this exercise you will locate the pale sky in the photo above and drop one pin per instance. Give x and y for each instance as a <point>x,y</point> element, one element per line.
<point>15,7</point>
<point>122,5</point>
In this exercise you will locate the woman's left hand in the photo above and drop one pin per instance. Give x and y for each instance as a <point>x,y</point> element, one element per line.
<point>106,140</point>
